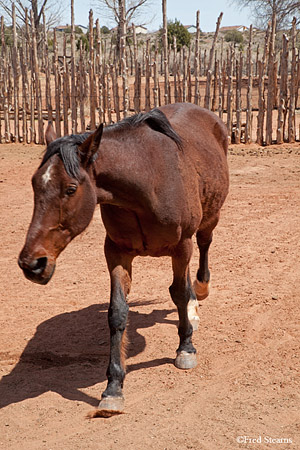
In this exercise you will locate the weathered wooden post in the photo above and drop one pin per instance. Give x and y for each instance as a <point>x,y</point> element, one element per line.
<point>57,83</point>
<point>282,107</point>
<point>196,60</point>
<point>73,74</point>
<point>261,90</point>
<point>5,84</point>
<point>165,51</point>
<point>270,97</point>
<point>91,72</point>
<point>207,99</point>
<point>230,90</point>
<point>291,118</point>
<point>248,129</point>
<point>238,99</point>
<point>36,84</point>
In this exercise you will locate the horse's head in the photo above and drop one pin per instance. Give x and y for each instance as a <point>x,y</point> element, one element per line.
<point>64,201</point>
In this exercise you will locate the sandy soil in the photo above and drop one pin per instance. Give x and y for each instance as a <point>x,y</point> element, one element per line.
<point>54,339</point>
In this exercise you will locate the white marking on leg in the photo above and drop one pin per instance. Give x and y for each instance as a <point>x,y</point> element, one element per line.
<point>47,175</point>
<point>193,313</point>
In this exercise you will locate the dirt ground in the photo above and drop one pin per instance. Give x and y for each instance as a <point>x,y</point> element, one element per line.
<point>244,394</point>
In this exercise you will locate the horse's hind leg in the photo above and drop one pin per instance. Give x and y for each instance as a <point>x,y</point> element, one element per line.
<point>204,239</point>
<point>181,292</point>
<point>119,265</point>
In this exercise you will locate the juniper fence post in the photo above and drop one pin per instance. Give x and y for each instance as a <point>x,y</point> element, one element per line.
<point>220,89</point>
<point>282,107</point>
<point>108,89</point>
<point>199,70</point>
<point>148,74</point>
<point>179,84</point>
<point>57,83</point>
<point>248,129</point>
<point>65,96</point>
<point>196,60</point>
<point>257,59</point>
<point>1,90</point>
<point>32,113</point>
<point>47,72</point>
<point>275,78</point>
<point>189,77</point>
<point>175,70</point>
<point>184,75</point>
<point>298,82</point>
<point>101,112</point>
<point>135,47</point>
<point>239,79</point>
<point>36,84</point>
<point>270,97</point>
<point>24,95</point>
<point>292,90</point>
<point>261,89</point>
<point>155,78</point>
<point>16,75</point>
<point>230,91</point>
<point>207,99</point>
<point>73,74</point>
<point>5,84</point>
<point>137,88</point>
<point>99,46</point>
<point>104,96</point>
<point>91,72</point>
<point>125,88</point>
<point>165,51</point>
<point>215,84</point>
<point>41,139</point>
<point>115,89</point>
<point>81,82</point>
<point>27,57</point>
<point>204,63</point>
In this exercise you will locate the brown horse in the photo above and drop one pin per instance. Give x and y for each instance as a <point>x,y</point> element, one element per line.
<point>159,177</point>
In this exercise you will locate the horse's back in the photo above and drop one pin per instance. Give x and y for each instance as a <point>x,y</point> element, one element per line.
<point>197,125</point>
<point>205,145</point>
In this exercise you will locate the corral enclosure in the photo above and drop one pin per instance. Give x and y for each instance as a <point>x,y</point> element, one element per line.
<point>54,339</point>
<point>80,80</point>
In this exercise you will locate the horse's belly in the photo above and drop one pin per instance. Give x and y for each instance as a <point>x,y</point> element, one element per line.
<point>141,234</point>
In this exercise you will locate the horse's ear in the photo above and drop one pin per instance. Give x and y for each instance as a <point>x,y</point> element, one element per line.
<point>50,134</point>
<point>90,146</point>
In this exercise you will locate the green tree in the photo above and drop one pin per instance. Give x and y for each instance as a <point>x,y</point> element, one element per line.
<point>234,36</point>
<point>183,37</point>
<point>104,30</point>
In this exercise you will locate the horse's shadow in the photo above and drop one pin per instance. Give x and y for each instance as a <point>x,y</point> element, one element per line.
<point>70,352</point>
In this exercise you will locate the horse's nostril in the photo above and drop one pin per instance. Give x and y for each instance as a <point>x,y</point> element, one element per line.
<point>38,265</point>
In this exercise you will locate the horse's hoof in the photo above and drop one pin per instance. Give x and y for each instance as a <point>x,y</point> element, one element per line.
<point>185,360</point>
<point>201,289</point>
<point>109,406</point>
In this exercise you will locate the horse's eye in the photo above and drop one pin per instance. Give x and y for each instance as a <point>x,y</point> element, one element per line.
<point>71,189</point>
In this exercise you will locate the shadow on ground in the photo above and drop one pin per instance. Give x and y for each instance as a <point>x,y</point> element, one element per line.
<point>71,351</point>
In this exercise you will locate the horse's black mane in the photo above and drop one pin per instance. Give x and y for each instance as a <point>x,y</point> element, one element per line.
<point>156,120</point>
<point>67,147</point>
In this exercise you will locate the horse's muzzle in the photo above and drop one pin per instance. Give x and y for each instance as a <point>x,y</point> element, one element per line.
<point>38,270</point>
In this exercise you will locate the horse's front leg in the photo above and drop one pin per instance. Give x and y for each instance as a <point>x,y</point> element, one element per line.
<point>181,293</point>
<point>119,265</point>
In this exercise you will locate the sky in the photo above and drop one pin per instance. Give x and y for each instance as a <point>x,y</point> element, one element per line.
<point>183,10</point>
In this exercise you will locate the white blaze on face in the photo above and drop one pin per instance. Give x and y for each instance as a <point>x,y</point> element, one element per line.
<point>47,175</point>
